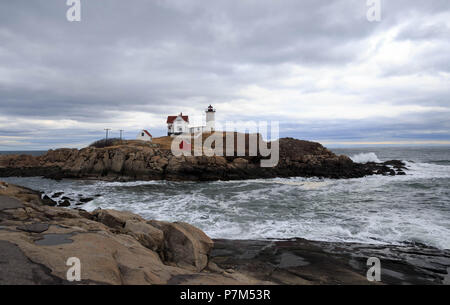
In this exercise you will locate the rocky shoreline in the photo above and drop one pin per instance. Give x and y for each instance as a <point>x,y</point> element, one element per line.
<point>303,262</point>
<point>113,247</point>
<point>141,162</point>
<point>118,247</point>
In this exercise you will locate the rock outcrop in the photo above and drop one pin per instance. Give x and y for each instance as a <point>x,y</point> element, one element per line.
<point>303,262</point>
<point>114,247</point>
<point>128,162</point>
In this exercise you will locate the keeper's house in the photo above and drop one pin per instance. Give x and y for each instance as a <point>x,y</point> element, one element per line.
<point>177,124</point>
<point>144,135</point>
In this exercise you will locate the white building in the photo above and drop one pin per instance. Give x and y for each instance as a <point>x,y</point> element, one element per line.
<point>177,124</point>
<point>144,135</point>
<point>210,122</point>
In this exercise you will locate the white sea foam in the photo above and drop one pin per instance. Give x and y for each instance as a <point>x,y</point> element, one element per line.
<point>128,183</point>
<point>306,184</point>
<point>365,157</point>
<point>427,170</point>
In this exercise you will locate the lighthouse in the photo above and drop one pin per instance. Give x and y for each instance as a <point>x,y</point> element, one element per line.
<point>210,118</point>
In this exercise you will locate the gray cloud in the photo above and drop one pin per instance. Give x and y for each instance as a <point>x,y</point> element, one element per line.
<point>163,57</point>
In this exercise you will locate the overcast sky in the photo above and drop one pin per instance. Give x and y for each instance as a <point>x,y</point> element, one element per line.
<point>318,67</point>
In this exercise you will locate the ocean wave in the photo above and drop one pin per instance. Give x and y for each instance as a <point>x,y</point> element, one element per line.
<point>440,162</point>
<point>373,232</point>
<point>427,170</point>
<point>304,183</point>
<point>365,157</point>
<point>128,183</point>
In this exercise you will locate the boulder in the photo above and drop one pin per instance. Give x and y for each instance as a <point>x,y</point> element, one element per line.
<point>86,200</point>
<point>64,203</point>
<point>149,236</point>
<point>185,245</point>
<point>48,201</point>
<point>115,219</point>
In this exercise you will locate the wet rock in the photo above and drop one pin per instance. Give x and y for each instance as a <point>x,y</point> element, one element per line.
<point>397,164</point>
<point>17,269</point>
<point>7,203</point>
<point>54,239</point>
<point>48,201</point>
<point>299,261</point>
<point>34,227</point>
<point>56,195</point>
<point>64,203</point>
<point>85,200</point>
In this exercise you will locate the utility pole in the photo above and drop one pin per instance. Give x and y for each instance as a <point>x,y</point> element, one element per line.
<point>106,139</point>
<point>121,134</point>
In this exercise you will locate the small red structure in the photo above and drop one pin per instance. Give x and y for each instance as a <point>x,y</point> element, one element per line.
<point>184,145</point>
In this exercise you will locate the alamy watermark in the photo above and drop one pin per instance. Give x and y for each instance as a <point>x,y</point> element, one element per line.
<point>374,272</point>
<point>249,143</point>
<point>374,10</point>
<point>74,11</point>
<point>74,272</point>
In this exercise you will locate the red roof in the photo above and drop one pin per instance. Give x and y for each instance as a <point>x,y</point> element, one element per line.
<point>148,133</point>
<point>172,118</point>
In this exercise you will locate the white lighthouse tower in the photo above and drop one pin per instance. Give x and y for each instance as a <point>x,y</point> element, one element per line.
<point>210,118</point>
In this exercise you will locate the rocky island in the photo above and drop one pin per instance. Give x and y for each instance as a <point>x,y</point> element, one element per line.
<point>136,160</point>
<point>118,247</point>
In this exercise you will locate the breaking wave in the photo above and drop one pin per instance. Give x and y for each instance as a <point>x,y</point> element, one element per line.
<point>365,157</point>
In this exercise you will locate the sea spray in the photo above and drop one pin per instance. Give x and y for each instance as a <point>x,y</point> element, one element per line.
<point>365,158</point>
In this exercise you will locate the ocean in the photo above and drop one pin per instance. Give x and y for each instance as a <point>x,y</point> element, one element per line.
<point>375,210</point>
